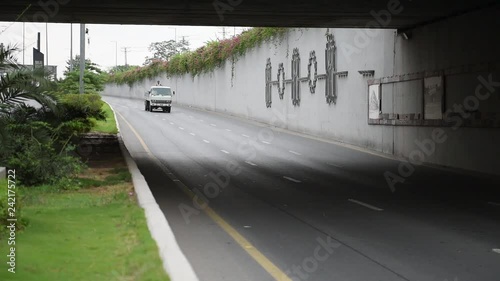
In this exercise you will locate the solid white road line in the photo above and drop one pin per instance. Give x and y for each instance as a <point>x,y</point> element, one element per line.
<point>291,179</point>
<point>227,152</point>
<point>206,141</point>
<point>192,134</point>
<point>266,142</point>
<point>246,136</point>
<point>365,205</point>
<point>228,130</point>
<point>250,163</point>
<point>294,152</point>
<point>213,125</point>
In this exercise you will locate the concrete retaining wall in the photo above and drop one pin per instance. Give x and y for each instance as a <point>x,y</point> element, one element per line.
<point>239,88</point>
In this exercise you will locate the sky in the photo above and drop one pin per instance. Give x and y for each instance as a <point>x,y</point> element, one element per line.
<point>104,44</point>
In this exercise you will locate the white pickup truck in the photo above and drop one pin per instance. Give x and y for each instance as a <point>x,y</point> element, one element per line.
<point>158,97</point>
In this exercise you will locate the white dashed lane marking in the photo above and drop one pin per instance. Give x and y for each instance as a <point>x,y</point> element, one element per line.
<point>266,142</point>
<point>206,141</point>
<point>213,125</point>
<point>246,136</point>
<point>365,205</point>
<point>335,165</point>
<point>181,128</point>
<point>192,134</point>
<point>228,130</point>
<point>227,152</point>
<point>250,163</point>
<point>294,152</point>
<point>291,179</point>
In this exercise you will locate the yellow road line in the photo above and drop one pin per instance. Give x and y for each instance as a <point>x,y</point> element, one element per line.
<point>260,258</point>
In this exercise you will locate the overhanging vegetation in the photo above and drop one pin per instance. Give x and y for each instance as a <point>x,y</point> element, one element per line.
<point>202,60</point>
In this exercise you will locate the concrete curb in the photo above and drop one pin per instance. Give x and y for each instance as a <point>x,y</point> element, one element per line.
<point>174,261</point>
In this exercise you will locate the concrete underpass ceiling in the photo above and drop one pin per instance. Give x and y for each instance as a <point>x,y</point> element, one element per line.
<point>289,13</point>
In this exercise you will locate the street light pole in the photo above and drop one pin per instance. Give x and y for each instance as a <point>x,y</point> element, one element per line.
<point>47,43</point>
<point>175,33</point>
<point>24,39</point>
<point>82,56</point>
<point>71,49</point>
<point>116,53</point>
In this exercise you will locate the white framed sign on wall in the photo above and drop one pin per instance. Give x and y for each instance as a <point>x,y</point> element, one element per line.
<point>374,102</point>
<point>433,97</point>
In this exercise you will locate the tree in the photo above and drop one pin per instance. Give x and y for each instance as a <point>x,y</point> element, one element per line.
<point>94,78</point>
<point>75,63</point>
<point>166,49</point>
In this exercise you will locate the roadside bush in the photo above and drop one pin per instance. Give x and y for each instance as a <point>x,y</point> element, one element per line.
<point>76,106</point>
<point>38,163</point>
<point>39,152</point>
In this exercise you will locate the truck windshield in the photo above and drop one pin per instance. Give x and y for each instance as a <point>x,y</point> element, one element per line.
<point>161,92</point>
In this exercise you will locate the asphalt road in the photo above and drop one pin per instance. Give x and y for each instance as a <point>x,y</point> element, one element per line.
<point>312,209</point>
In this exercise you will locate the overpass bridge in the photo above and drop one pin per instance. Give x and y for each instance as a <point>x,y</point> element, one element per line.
<point>401,14</point>
<point>310,194</point>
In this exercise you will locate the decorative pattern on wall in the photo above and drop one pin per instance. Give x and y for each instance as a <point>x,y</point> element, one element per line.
<point>331,68</point>
<point>268,83</point>
<point>281,80</point>
<point>312,77</point>
<point>296,77</point>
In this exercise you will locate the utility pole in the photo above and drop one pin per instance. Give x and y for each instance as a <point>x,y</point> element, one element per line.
<point>125,49</point>
<point>71,49</point>
<point>82,56</point>
<point>47,43</point>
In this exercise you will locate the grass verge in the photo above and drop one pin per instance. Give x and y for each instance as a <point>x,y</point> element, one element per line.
<point>108,125</point>
<point>97,232</point>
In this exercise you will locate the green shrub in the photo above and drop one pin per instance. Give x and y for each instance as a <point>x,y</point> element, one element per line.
<point>39,163</point>
<point>81,107</point>
<point>4,208</point>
